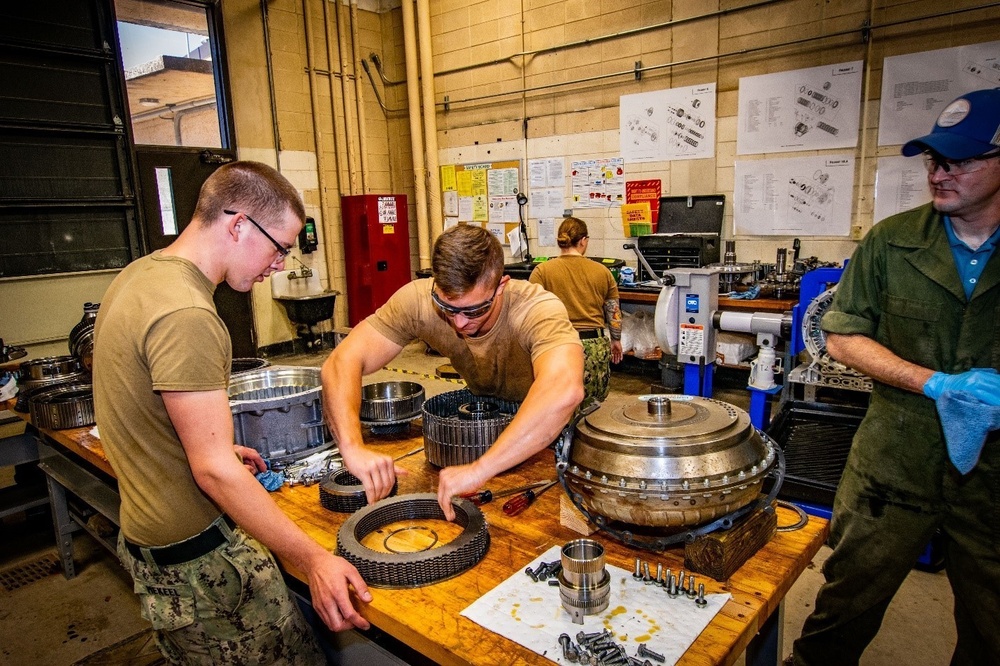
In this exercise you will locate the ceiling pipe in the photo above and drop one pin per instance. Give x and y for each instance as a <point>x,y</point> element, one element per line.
<point>352,173</point>
<point>416,140</point>
<point>430,119</point>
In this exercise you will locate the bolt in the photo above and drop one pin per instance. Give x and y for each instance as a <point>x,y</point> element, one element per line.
<point>646,578</point>
<point>691,592</point>
<point>531,575</point>
<point>565,641</point>
<point>680,579</point>
<point>646,652</point>
<point>701,596</point>
<point>672,588</point>
<point>638,569</point>
<point>665,580</point>
<point>659,573</point>
<point>553,582</point>
<point>587,639</point>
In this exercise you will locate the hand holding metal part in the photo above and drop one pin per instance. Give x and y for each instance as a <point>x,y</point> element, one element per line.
<point>486,496</point>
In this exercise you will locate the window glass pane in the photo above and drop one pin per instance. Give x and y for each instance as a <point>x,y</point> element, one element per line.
<point>169,73</point>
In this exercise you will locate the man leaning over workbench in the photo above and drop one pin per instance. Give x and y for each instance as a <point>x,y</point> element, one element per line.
<point>507,338</point>
<point>193,517</point>
<point>918,310</point>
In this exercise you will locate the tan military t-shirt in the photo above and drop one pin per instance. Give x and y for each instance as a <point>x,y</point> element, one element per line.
<point>582,284</point>
<point>498,363</point>
<point>157,330</point>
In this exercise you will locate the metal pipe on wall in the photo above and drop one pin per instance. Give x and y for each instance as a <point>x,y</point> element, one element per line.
<point>273,99</point>
<point>359,101</point>
<point>416,140</point>
<point>430,119</point>
<point>351,155</point>
<point>339,132</point>
<point>332,232</point>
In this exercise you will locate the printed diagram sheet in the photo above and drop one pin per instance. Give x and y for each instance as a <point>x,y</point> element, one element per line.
<point>802,196</point>
<point>805,109</point>
<point>900,184</point>
<point>916,87</point>
<point>674,124</point>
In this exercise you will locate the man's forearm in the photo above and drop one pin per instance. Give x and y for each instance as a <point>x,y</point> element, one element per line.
<point>877,361</point>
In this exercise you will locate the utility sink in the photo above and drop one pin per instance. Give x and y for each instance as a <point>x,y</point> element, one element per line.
<point>309,309</point>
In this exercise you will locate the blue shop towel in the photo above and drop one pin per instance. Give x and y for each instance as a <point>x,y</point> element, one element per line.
<point>271,480</point>
<point>752,292</point>
<point>966,422</point>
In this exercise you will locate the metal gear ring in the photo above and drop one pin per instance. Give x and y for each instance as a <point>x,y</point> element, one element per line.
<point>405,570</point>
<point>344,493</point>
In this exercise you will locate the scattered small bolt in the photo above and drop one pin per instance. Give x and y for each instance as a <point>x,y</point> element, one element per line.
<point>565,641</point>
<point>691,593</point>
<point>665,580</point>
<point>553,582</point>
<point>672,588</point>
<point>638,569</point>
<point>659,573</point>
<point>701,596</point>
<point>646,578</point>
<point>586,639</point>
<point>646,652</point>
<point>680,578</point>
<point>531,575</point>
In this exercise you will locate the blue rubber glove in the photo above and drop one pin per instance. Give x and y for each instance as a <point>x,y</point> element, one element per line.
<point>982,383</point>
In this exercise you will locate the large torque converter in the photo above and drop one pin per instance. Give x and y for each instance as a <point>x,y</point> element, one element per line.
<point>667,461</point>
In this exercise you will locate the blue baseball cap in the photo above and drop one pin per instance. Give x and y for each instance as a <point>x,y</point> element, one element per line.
<point>968,127</point>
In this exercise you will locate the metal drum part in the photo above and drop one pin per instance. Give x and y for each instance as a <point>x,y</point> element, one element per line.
<point>388,407</point>
<point>343,492</point>
<point>665,462</point>
<point>63,406</point>
<point>823,370</point>
<point>405,570</point>
<point>241,365</point>
<point>278,411</point>
<point>47,370</point>
<point>81,337</point>
<point>459,426</point>
<point>584,582</point>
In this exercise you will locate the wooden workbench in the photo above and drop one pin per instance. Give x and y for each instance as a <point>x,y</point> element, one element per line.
<point>427,619</point>
<point>779,305</point>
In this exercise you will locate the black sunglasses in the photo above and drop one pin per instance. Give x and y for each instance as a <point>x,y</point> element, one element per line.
<point>468,311</point>
<point>282,250</point>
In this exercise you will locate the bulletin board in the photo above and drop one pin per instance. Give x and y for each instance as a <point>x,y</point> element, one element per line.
<point>483,193</point>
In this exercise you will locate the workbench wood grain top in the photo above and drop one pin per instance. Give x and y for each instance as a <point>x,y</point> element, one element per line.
<point>428,619</point>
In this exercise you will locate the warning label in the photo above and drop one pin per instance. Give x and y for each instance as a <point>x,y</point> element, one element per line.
<point>691,341</point>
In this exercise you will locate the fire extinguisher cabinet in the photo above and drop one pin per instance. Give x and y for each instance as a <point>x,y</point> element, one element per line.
<point>376,250</point>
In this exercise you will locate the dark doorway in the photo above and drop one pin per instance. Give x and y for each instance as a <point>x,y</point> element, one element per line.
<point>169,181</point>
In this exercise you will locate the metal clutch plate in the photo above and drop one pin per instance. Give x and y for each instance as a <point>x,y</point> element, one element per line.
<point>667,461</point>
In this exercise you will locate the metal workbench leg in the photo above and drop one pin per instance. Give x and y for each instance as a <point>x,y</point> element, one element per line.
<point>765,646</point>
<point>63,525</point>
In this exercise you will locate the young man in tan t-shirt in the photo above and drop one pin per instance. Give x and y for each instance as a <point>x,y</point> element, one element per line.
<point>506,338</point>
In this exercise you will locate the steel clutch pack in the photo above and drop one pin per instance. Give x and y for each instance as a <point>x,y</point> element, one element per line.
<point>63,406</point>
<point>459,426</point>
<point>388,407</point>
<point>404,570</point>
<point>344,493</point>
<point>666,464</point>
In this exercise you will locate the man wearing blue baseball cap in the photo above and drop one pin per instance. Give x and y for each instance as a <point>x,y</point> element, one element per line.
<point>918,310</point>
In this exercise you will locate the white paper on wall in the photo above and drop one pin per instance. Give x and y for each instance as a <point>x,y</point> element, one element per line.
<point>804,109</point>
<point>900,184</point>
<point>917,87</point>
<point>547,202</point>
<point>546,233</point>
<point>801,196</point>
<point>673,124</point>
<point>450,203</point>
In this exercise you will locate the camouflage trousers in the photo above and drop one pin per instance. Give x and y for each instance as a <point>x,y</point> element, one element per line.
<point>596,368</point>
<point>229,606</point>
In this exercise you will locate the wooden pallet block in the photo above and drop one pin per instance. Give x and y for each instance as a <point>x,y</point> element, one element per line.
<point>571,518</point>
<point>721,553</point>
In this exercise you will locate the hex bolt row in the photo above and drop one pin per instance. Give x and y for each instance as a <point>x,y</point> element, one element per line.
<point>647,653</point>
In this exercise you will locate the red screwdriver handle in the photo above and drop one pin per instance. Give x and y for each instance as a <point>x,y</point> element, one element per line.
<point>516,505</point>
<point>480,498</point>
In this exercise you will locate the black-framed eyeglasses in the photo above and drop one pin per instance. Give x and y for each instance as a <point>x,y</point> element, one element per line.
<point>956,167</point>
<point>468,311</point>
<point>282,250</point>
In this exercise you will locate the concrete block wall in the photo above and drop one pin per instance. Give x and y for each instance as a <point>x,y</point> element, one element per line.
<point>539,118</point>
